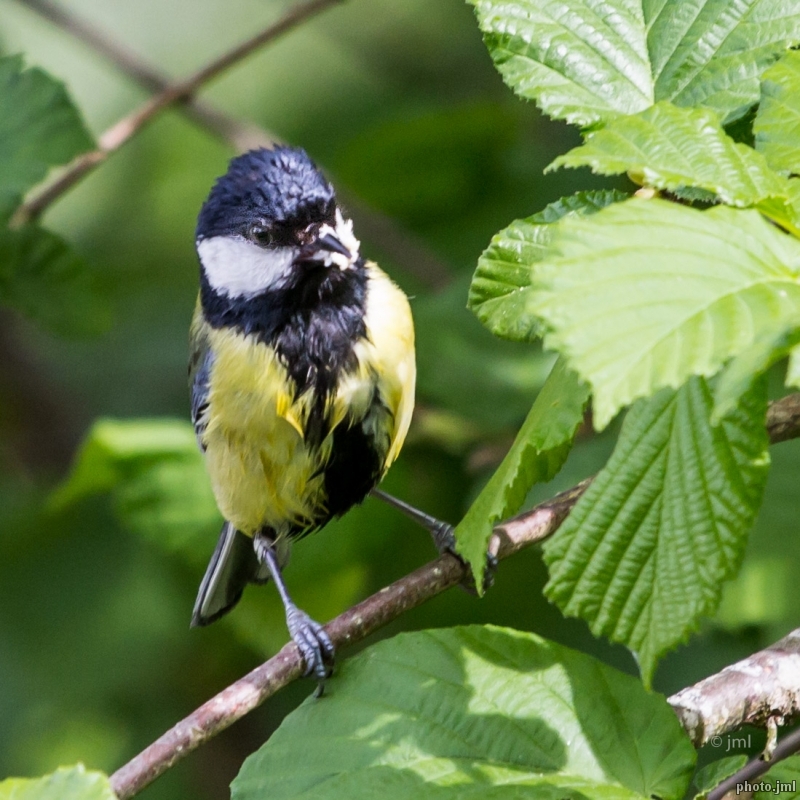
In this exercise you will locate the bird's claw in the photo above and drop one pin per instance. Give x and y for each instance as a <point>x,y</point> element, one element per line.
<point>489,570</point>
<point>445,540</point>
<point>315,646</point>
<point>444,537</point>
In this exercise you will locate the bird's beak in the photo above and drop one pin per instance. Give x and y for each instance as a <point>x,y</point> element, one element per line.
<point>332,244</point>
<point>322,248</point>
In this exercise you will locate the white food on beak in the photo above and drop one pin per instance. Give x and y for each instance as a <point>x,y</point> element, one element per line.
<point>344,233</point>
<point>237,267</point>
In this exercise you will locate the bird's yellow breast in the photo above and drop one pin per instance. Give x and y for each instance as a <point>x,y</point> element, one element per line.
<point>263,470</point>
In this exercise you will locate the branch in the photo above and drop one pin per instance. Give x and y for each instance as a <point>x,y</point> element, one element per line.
<point>398,244</point>
<point>348,628</point>
<point>763,687</point>
<point>788,746</point>
<point>367,617</point>
<point>123,130</point>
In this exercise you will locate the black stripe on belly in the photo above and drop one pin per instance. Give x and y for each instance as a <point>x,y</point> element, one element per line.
<point>313,322</point>
<point>354,468</point>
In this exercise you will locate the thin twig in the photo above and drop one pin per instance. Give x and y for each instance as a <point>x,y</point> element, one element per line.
<point>787,746</point>
<point>398,244</point>
<point>360,621</point>
<point>240,134</point>
<point>123,130</point>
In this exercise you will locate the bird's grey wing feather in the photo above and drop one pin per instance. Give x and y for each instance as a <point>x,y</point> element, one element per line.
<point>200,362</point>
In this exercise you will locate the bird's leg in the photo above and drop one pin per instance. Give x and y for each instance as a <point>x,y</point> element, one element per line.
<point>314,644</point>
<point>442,533</point>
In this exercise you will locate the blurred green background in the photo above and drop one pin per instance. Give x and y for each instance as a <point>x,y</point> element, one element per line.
<point>400,104</point>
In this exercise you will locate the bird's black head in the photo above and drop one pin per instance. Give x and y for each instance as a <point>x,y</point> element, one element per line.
<point>277,190</point>
<point>271,214</point>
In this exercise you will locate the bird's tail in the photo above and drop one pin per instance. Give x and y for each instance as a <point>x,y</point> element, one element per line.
<point>233,565</point>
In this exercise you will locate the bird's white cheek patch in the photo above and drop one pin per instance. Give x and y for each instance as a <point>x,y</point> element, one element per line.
<point>239,268</point>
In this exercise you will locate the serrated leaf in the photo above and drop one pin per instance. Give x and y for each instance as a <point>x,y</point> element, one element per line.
<point>645,293</point>
<point>66,783</point>
<point>479,712</point>
<point>783,781</point>
<point>44,279</point>
<point>587,61</point>
<point>717,771</point>
<point>155,474</point>
<point>643,554</point>
<point>39,128</point>
<point>581,61</point>
<point>539,451</point>
<point>777,123</point>
<point>672,148</point>
<point>500,289</point>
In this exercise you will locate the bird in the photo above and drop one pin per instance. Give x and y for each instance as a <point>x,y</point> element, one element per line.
<point>301,372</point>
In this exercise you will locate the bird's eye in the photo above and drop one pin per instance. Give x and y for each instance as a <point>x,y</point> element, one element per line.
<point>261,235</point>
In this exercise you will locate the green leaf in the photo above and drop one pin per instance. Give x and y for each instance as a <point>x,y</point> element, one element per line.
<point>115,448</point>
<point>793,369</point>
<point>171,503</point>
<point>155,473</point>
<point>39,275</point>
<point>39,128</point>
<point>539,451</point>
<point>579,63</point>
<point>784,211</point>
<point>771,345</point>
<point>714,773</point>
<point>671,148</point>
<point>645,293</point>
<point>42,278</point>
<point>587,61</point>
<point>777,123</point>
<point>787,774</point>
<point>66,783</point>
<point>500,290</point>
<point>479,712</point>
<point>644,552</point>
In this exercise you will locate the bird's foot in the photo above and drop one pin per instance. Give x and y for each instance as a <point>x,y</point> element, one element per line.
<point>443,534</point>
<point>315,646</point>
<point>444,538</point>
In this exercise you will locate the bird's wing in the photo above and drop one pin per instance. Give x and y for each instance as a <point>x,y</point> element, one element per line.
<point>200,361</point>
<point>391,329</point>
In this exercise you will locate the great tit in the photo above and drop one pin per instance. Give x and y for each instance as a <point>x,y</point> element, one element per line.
<point>302,374</point>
